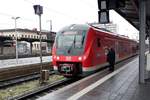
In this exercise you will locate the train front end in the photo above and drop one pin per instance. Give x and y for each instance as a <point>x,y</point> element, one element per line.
<point>68,50</point>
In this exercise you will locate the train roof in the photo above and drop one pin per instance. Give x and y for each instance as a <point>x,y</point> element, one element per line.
<point>111,33</point>
<point>75,27</point>
<point>82,27</point>
<point>87,26</point>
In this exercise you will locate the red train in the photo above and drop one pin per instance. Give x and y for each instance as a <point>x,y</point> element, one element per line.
<point>81,49</point>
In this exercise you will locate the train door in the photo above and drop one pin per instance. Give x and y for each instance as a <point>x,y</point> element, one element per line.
<point>102,51</point>
<point>97,58</point>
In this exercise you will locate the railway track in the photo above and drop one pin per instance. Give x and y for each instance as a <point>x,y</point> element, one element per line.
<point>7,92</point>
<point>19,71</point>
<point>17,80</point>
<point>43,90</point>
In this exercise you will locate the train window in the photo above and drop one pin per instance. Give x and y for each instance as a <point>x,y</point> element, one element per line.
<point>98,42</point>
<point>79,41</point>
<point>72,39</point>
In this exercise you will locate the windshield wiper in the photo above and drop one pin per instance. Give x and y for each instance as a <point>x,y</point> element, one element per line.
<point>73,43</point>
<point>83,40</point>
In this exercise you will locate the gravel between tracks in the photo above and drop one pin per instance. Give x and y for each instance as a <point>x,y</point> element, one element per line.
<point>24,87</point>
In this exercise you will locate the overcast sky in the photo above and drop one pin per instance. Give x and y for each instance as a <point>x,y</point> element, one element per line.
<point>61,12</point>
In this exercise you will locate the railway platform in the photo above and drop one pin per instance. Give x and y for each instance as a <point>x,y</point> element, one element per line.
<point>23,61</point>
<point>122,84</point>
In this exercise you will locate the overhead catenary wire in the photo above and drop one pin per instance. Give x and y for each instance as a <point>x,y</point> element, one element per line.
<point>57,12</point>
<point>69,17</point>
<point>89,4</point>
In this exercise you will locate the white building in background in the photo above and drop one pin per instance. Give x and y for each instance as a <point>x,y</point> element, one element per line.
<point>27,35</point>
<point>110,26</point>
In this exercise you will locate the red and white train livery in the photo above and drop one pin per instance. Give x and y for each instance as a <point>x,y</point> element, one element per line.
<point>81,49</point>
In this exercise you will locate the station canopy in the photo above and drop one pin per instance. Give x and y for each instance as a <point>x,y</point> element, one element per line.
<point>131,13</point>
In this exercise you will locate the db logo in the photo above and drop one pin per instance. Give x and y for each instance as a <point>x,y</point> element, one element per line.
<point>68,58</point>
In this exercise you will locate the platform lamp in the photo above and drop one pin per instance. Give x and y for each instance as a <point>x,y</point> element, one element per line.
<point>39,11</point>
<point>15,19</point>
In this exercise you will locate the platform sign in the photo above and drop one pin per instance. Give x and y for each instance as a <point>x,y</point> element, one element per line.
<point>105,5</point>
<point>103,13</point>
<point>38,9</point>
<point>103,17</point>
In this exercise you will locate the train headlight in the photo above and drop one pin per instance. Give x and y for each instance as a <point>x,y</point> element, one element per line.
<point>80,58</point>
<point>58,58</point>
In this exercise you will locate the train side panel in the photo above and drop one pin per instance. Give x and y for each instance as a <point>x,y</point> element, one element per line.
<point>96,49</point>
<point>96,57</point>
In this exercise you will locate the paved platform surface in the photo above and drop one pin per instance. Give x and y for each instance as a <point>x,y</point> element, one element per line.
<point>122,84</point>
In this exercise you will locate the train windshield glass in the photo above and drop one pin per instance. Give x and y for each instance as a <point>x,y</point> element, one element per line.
<point>70,42</point>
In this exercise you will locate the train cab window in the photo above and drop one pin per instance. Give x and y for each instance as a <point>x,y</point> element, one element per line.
<point>98,42</point>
